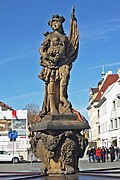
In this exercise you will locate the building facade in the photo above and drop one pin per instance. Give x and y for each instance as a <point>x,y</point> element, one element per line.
<point>10,121</point>
<point>104,111</point>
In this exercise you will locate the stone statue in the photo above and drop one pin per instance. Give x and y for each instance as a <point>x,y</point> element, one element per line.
<point>58,52</point>
<point>57,139</point>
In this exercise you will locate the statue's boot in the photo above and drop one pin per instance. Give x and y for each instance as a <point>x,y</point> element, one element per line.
<point>63,96</point>
<point>53,109</point>
<point>51,95</point>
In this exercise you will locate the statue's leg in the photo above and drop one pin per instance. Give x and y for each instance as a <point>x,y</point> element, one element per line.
<point>51,95</point>
<point>64,78</point>
<point>63,95</point>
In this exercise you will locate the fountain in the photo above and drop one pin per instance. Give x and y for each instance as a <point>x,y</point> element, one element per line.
<point>57,139</point>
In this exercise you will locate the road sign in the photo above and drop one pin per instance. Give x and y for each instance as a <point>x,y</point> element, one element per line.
<point>13,134</point>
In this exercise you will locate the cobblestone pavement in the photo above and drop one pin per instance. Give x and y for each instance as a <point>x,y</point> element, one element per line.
<point>33,169</point>
<point>85,165</point>
<point>21,167</point>
<point>37,167</point>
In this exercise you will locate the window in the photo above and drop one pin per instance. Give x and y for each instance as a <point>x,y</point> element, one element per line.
<point>118,102</point>
<point>115,123</point>
<point>3,108</point>
<point>98,113</point>
<point>111,124</point>
<point>119,121</point>
<point>103,110</point>
<point>98,129</point>
<point>114,105</point>
<point>103,127</point>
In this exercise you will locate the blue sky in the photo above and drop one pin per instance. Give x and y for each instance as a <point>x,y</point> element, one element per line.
<point>22,23</point>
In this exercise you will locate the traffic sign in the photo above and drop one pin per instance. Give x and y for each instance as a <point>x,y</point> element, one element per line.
<point>13,134</point>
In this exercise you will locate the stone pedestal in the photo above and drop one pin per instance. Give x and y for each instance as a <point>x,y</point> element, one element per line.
<point>57,141</point>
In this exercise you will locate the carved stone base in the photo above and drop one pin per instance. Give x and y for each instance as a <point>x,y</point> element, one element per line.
<point>59,148</point>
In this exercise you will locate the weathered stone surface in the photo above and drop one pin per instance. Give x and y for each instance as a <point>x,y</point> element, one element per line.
<point>58,52</point>
<point>59,153</point>
<point>56,138</point>
<point>61,117</point>
<point>61,122</point>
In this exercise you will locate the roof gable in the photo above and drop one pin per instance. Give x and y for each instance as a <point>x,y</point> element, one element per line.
<point>5,105</point>
<point>110,79</point>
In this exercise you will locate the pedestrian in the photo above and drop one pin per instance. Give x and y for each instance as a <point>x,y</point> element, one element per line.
<point>98,154</point>
<point>93,153</point>
<point>112,153</point>
<point>106,154</point>
<point>103,154</point>
<point>89,154</point>
<point>117,153</point>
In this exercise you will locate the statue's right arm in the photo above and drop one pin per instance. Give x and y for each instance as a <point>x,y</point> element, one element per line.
<point>46,58</point>
<point>43,52</point>
<point>44,47</point>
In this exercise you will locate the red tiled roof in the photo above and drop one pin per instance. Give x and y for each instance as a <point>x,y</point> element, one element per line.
<point>111,78</point>
<point>5,105</point>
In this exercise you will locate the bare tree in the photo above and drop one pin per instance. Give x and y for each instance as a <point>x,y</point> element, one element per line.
<point>33,113</point>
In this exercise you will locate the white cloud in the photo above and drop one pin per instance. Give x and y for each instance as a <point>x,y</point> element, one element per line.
<point>100,28</point>
<point>78,92</point>
<point>18,57</point>
<point>23,96</point>
<point>106,65</point>
<point>113,64</point>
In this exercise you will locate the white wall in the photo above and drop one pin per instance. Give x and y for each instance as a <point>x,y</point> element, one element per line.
<point>111,114</point>
<point>21,144</point>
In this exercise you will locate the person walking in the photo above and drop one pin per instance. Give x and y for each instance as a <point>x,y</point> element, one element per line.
<point>93,153</point>
<point>103,154</point>
<point>89,154</point>
<point>106,154</point>
<point>112,153</point>
<point>117,153</point>
<point>98,154</point>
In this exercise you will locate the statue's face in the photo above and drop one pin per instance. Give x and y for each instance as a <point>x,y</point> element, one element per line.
<point>55,25</point>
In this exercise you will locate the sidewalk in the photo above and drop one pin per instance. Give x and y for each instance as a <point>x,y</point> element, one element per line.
<point>37,167</point>
<point>21,167</point>
<point>85,165</point>
<point>87,170</point>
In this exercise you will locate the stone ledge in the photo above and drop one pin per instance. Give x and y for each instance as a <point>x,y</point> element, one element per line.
<point>60,125</point>
<point>61,117</point>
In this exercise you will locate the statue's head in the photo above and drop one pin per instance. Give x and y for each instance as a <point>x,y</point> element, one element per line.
<point>56,22</point>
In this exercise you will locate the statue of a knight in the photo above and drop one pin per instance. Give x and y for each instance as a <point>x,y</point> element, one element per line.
<point>58,52</point>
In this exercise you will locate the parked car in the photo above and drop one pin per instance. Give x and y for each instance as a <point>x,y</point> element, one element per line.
<point>6,156</point>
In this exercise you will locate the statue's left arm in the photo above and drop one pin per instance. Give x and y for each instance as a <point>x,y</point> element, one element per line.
<point>73,38</point>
